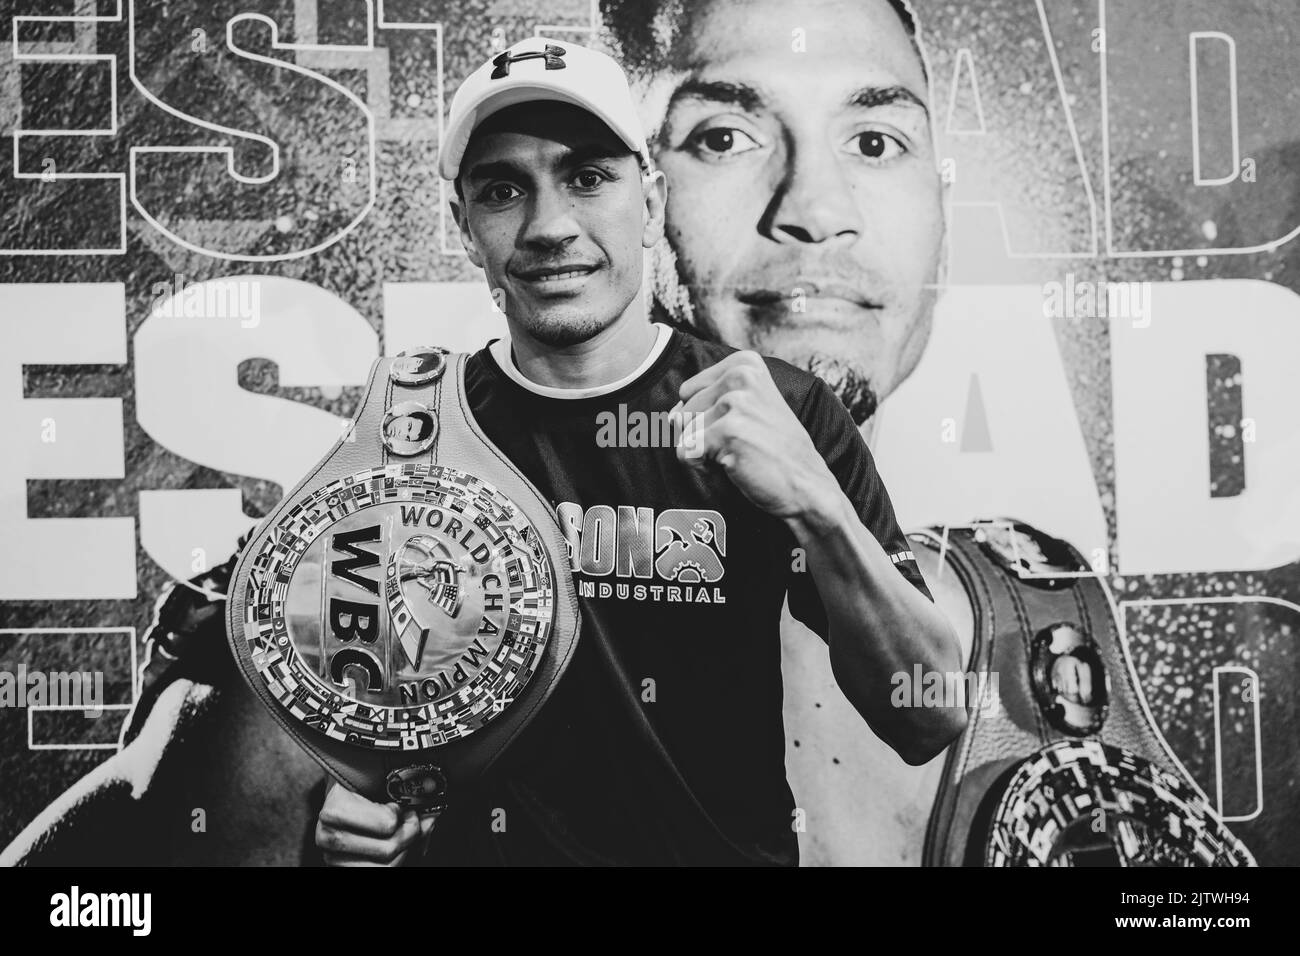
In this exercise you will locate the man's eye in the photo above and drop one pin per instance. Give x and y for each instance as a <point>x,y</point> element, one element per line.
<point>876,145</point>
<point>723,141</point>
<point>499,192</point>
<point>588,179</point>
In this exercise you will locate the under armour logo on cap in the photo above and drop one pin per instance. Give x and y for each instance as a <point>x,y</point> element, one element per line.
<point>553,55</point>
<point>568,73</point>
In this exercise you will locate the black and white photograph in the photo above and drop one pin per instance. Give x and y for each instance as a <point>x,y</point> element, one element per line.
<point>651,433</point>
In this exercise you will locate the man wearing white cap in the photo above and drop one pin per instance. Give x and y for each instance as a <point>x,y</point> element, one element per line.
<point>664,743</point>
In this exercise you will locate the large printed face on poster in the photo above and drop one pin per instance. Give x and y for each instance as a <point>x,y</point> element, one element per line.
<point>806,206</point>
<point>1044,252</point>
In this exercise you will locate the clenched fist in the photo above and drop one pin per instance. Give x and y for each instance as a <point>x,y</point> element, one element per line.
<point>738,420</point>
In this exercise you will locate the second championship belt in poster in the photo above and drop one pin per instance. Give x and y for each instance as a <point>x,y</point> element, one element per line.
<point>408,607</point>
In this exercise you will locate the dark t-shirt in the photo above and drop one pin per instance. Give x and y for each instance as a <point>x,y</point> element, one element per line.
<point>664,742</point>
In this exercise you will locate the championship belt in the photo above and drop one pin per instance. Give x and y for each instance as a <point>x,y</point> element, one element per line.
<point>408,607</point>
<point>1063,765</point>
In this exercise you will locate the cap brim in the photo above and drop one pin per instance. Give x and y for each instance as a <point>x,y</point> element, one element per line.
<point>523,93</point>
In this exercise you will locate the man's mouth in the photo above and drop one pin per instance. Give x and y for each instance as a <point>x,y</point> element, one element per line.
<point>556,273</point>
<point>807,288</point>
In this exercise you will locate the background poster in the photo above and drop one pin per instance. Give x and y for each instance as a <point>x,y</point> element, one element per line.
<point>213,216</point>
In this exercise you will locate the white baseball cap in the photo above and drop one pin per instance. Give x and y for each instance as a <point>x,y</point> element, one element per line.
<point>540,68</point>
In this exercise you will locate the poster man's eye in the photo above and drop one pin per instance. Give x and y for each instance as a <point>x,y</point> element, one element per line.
<point>875,145</point>
<point>723,141</point>
<point>500,192</point>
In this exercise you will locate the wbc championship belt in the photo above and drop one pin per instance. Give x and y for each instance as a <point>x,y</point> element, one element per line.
<point>408,607</point>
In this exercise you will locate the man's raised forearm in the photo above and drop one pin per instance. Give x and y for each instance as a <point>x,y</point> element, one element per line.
<point>880,625</point>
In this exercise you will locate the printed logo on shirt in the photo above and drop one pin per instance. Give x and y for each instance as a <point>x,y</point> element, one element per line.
<point>679,553</point>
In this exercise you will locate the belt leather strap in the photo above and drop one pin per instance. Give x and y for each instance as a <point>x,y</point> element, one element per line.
<point>460,748</point>
<point>1064,764</point>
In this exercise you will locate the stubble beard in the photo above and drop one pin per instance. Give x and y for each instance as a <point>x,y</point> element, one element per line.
<point>676,304</point>
<point>849,383</point>
<point>559,329</point>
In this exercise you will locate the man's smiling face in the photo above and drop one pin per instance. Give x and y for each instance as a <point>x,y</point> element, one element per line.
<point>805,207</point>
<point>554,209</point>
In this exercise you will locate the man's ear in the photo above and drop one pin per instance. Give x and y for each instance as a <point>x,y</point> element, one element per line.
<point>654,191</point>
<point>462,224</point>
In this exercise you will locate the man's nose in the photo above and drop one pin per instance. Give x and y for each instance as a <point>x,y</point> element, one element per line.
<point>550,222</point>
<point>815,201</point>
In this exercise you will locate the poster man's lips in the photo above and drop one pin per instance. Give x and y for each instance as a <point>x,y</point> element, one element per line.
<point>810,288</point>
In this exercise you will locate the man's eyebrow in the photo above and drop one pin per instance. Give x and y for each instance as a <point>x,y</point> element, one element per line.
<point>497,169</point>
<point>589,151</point>
<point>869,97</point>
<point>751,98</point>
<point>741,95</point>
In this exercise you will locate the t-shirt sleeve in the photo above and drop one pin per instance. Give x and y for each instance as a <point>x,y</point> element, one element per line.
<point>845,451</point>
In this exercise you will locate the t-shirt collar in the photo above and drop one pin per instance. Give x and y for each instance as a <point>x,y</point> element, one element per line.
<point>501,352</point>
